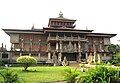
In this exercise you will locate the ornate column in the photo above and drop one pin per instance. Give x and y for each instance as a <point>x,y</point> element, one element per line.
<point>12,46</point>
<point>39,44</point>
<point>100,46</point>
<point>94,50</point>
<point>30,54</point>
<point>64,37</point>
<point>30,44</point>
<point>39,49</point>
<point>99,55</point>
<point>20,54</point>
<point>86,49</point>
<point>22,44</point>
<point>57,46</point>
<point>21,47</point>
<point>75,47</point>
<point>30,47</point>
<point>79,52</point>
<point>57,37</point>
<point>60,46</point>
<point>49,53</point>
<point>59,56</point>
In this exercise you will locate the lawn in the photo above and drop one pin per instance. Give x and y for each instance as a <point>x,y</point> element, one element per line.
<point>39,74</point>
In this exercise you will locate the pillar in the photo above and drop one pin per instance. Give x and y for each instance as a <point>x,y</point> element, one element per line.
<point>48,45</point>
<point>75,48</point>
<point>49,56</point>
<point>100,46</point>
<point>13,47</point>
<point>39,55</point>
<point>94,49</point>
<point>39,45</point>
<point>30,44</point>
<point>86,49</point>
<point>99,59</point>
<point>61,46</point>
<point>22,45</point>
<point>29,54</point>
<point>86,55</point>
<point>79,57</point>
<point>79,47</point>
<point>20,54</point>
<point>59,56</point>
<point>94,56</point>
<point>90,59</point>
<point>56,46</point>
<point>105,56</point>
<point>79,52</point>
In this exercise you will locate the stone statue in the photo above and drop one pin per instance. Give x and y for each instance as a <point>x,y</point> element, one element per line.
<point>54,59</point>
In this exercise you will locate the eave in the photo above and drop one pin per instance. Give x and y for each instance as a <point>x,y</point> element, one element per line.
<point>70,30</point>
<point>101,35</point>
<point>19,31</point>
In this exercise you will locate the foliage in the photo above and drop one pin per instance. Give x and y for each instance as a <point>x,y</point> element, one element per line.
<point>108,64</point>
<point>114,48</point>
<point>117,59</point>
<point>10,76</point>
<point>82,65</point>
<point>26,61</point>
<point>99,74</point>
<point>0,62</point>
<point>97,63</point>
<point>70,75</point>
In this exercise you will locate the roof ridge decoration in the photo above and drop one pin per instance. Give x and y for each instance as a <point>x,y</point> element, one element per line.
<point>61,14</point>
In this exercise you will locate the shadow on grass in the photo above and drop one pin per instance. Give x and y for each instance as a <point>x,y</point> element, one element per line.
<point>30,71</point>
<point>35,71</point>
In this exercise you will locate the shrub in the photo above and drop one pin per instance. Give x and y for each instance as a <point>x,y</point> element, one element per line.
<point>99,74</point>
<point>26,61</point>
<point>10,76</point>
<point>70,75</point>
<point>0,62</point>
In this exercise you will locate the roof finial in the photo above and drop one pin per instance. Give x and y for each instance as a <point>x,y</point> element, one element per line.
<point>86,28</point>
<point>60,14</point>
<point>33,26</point>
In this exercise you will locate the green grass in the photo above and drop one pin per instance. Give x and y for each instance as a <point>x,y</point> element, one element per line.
<point>39,74</point>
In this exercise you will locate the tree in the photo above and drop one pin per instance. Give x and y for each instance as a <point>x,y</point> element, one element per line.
<point>26,61</point>
<point>114,48</point>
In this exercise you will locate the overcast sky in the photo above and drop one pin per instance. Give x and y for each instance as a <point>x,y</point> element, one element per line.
<point>102,16</point>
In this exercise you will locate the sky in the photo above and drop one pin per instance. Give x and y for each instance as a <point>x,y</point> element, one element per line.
<point>102,16</point>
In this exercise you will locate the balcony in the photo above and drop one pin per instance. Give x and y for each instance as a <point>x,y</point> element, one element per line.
<point>66,39</point>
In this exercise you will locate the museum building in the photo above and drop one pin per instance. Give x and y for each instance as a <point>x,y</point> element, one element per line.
<point>61,38</point>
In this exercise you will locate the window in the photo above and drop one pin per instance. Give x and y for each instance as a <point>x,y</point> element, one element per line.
<point>4,55</point>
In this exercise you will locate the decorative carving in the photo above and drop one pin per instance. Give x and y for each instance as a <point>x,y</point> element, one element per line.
<point>70,47</point>
<point>90,59</point>
<point>75,47</point>
<point>14,38</point>
<point>54,59</point>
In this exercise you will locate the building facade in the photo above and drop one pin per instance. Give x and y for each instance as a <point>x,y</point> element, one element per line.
<point>61,38</point>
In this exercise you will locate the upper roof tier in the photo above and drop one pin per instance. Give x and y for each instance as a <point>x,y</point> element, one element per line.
<point>61,22</point>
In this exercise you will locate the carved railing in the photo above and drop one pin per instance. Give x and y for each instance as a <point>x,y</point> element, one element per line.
<point>66,38</point>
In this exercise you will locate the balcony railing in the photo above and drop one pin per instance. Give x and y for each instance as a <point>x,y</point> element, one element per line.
<point>66,39</point>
